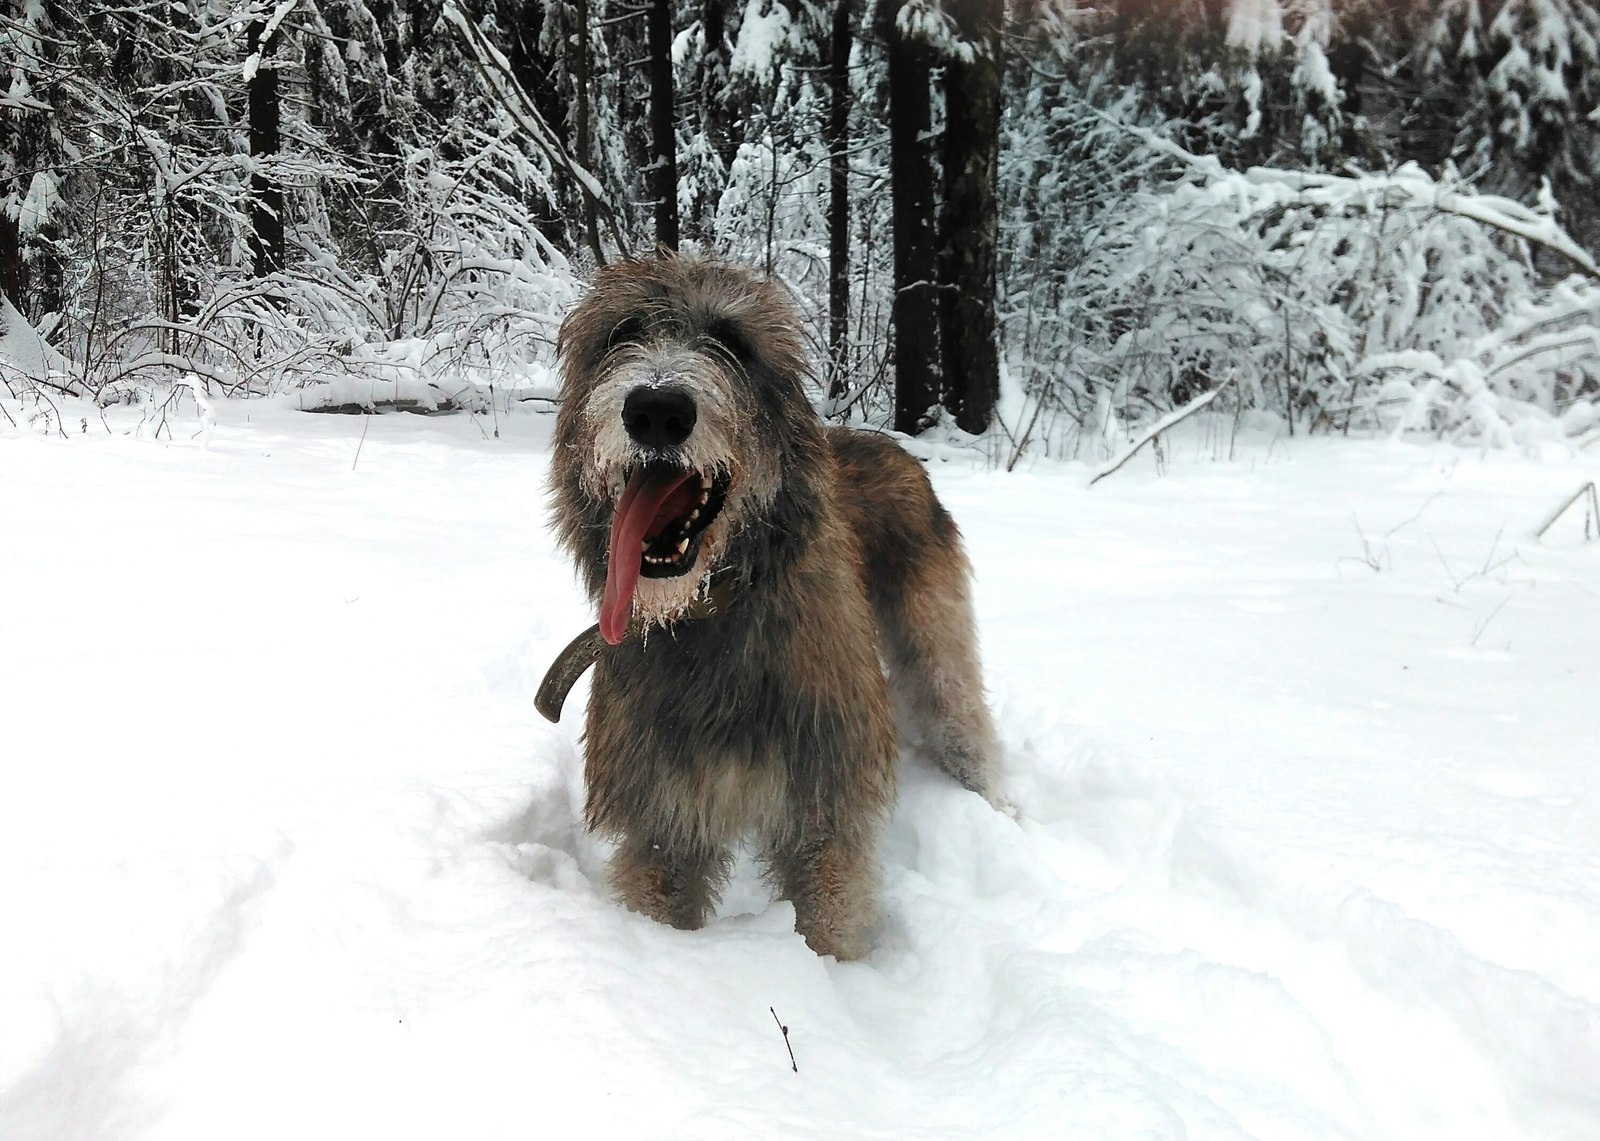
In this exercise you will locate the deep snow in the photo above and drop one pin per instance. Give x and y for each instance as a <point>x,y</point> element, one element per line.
<point>1304,742</point>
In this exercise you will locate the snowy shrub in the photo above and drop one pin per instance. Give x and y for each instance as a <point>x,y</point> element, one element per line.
<point>412,215</point>
<point>1391,301</point>
<point>1066,169</point>
<point>453,259</point>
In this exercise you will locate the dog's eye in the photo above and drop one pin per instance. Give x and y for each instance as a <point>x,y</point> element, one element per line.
<point>628,331</point>
<point>727,334</point>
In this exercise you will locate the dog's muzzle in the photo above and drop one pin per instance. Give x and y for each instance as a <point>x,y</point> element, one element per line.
<point>666,503</point>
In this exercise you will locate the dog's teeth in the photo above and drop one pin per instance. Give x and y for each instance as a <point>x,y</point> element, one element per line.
<point>705,482</point>
<point>683,545</point>
<point>703,498</point>
<point>695,514</point>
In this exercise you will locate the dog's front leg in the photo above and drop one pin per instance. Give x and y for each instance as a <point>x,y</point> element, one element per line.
<point>674,882</point>
<point>831,879</point>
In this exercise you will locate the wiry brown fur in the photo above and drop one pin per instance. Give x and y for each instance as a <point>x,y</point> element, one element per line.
<point>771,719</point>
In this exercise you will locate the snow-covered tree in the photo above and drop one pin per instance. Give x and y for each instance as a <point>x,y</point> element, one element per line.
<point>259,191</point>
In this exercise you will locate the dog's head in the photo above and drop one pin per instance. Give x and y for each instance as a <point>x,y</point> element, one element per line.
<point>683,404</point>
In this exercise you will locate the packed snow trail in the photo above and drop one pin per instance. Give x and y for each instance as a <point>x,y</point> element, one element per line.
<point>1303,745</point>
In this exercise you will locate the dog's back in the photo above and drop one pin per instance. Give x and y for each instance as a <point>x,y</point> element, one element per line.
<point>915,572</point>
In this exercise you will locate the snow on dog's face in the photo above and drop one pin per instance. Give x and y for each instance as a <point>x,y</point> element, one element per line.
<point>670,368</point>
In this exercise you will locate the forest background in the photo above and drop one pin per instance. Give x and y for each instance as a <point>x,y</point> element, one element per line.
<point>1347,214</point>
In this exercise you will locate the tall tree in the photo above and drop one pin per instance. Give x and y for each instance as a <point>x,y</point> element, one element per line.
<point>839,197</point>
<point>1533,103</point>
<point>33,149</point>
<point>266,128</point>
<point>583,128</point>
<point>10,258</point>
<point>715,76</point>
<point>663,126</point>
<point>916,293</point>
<point>537,51</point>
<point>969,221</point>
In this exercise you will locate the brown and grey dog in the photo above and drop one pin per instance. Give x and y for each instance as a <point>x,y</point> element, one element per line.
<point>754,572</point>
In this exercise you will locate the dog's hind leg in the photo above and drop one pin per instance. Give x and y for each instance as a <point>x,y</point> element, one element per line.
<point>930,643</point>
<point>918,579</point>
<point>676,883</point>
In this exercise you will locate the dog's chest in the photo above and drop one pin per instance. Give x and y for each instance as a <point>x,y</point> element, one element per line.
<point>688,686</point>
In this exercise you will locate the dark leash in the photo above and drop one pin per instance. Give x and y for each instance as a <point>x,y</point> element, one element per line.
<point>588,647</point>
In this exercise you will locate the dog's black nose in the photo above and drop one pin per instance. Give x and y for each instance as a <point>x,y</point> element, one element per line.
<point>658,417</point>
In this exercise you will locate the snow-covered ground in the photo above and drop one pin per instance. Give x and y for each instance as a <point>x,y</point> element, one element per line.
<point>1306,744</point>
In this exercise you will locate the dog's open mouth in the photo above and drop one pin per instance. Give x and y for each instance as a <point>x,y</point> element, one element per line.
<point>655,533</point>
<point>690,500</point>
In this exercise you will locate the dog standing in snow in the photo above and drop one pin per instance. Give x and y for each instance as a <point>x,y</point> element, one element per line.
<point>750,567</point>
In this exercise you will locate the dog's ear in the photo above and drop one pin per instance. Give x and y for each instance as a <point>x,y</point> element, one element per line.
<point>575,339</point>
<point>599,323</point>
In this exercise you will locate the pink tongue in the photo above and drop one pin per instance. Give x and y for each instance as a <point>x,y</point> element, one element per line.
<point>636,511</point>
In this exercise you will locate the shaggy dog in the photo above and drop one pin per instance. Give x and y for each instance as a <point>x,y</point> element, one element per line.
<point>755,572</point>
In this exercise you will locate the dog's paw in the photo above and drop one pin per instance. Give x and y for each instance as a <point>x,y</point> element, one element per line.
<point>1003,804</point>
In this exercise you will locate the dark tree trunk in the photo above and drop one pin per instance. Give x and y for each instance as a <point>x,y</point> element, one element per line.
<point>916,298</point>
<point>383,14</point>
<point>537,74</point>
<point>33,266</point>
<point>266,196</point>
<point>663,130</point>
<point>714,115</point>
<point>11,262</point>
<point>421,14</point>
<point>719,114</point>
<point>839,199</point>
<point>970,224</point>
<point>583,128</point>
<point>524,24</point>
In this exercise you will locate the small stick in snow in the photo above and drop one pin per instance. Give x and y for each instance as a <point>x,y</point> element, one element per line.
<point>786,1045</point>
<point>364,423</point>
<point>1162,425</point>
<point>1484,625</point>
<point>1591,515</point>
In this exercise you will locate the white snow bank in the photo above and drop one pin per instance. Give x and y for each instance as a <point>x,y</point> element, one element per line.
<point>24,354</point>
<point>1303,745</point>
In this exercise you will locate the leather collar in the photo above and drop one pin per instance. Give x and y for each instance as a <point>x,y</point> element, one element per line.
<point>588,647</point>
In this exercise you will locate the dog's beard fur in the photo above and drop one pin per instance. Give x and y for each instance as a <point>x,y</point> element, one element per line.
<point>723,443</point>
